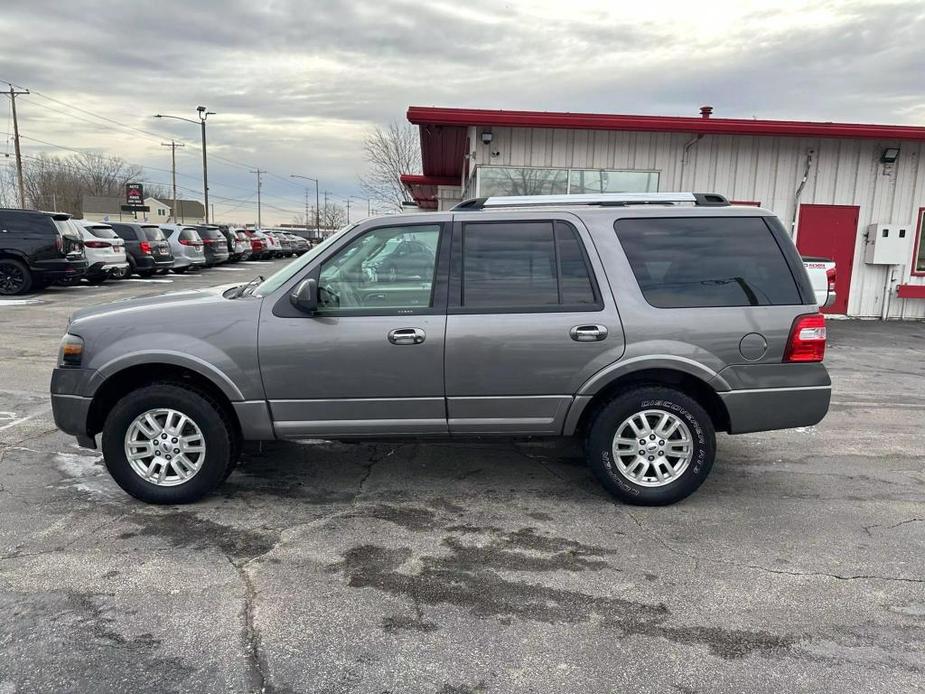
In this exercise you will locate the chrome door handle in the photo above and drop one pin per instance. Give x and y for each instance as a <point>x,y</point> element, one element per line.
<point>588,333</point>
<point>407,336</point>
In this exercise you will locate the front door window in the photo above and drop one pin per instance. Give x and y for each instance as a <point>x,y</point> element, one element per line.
<point>386,268</point>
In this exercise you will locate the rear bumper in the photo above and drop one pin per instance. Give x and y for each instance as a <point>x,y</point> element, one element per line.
<point>59,269</point>
<point>147,262</point>
<point>765,409</point>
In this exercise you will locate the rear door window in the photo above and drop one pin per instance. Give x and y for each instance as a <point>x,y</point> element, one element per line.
<point>687,262</point>
<point>524,266</point>
<point>27,224</point>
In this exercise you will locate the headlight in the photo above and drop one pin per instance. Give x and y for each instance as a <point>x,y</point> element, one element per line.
<point>71,351</point>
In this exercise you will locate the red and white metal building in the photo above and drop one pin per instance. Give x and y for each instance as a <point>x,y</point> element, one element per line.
<point>829,182</point>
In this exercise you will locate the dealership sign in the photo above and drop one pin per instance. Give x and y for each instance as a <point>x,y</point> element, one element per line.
<point>134,194</point>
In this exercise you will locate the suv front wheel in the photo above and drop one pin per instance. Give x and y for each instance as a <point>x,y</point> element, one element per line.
<point>651,446</point>
<point>168,444</point>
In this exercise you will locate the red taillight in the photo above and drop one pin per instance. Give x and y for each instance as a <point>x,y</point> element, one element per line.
<point>59,243</point>
<point>830,276</point>
<point>189,242</point>
<point>96,244</point>
<point>807,339</point>
<point>257,245</point>
<point>145,247</point>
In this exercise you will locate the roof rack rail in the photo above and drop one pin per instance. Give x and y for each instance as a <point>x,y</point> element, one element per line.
<point>603,199</point>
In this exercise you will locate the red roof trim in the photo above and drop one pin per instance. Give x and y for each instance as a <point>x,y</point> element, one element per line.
<point>419,180</point>
<point>424,115</point>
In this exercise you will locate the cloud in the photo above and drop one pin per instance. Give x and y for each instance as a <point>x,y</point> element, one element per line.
<point>297,83</point>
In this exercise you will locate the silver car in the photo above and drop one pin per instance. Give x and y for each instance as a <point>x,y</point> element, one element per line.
<point>186,246</point>
<point>640,324</point>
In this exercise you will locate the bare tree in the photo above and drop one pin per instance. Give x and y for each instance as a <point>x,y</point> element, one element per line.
<point>332,216</point>
<point>390,152</point>
<point>61,183</point>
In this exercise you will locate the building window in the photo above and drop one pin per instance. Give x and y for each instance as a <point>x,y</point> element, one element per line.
<point>522,180</point>
<point>918,262</point>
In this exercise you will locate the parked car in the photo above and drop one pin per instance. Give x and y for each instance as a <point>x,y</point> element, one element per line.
<point>146,247</point>
<point>238,248</point>
<point>299,245</point>
<point>288,248</point>
<point>822,276</point>
<point>639,323</point>
<point>186,247</point>
<point>242,244</point>
<point>407,259</point>
<point>261,246</point>
<point>274,247</point>
<point>104,249</point>
<point>36,249</point>
<point>215,245</point>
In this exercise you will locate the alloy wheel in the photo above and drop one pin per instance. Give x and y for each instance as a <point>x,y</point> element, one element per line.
<point>165,447</point>
<point>652,448</point>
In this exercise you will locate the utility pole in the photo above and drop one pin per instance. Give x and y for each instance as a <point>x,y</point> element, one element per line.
<point>306,208</point>
<point>173,168</point>
<point>259,173</point>
<point>22,187</point>
<point>348,210</point>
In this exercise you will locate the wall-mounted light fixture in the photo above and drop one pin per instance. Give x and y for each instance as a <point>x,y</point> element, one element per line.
<point>486,137</point>
<point>889,155</point>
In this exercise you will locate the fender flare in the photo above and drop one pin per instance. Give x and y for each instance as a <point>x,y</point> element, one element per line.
<point>200,366</point>
<point>598,381</point>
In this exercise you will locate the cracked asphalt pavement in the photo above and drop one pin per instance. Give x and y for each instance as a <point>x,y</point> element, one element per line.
<point>479,566</point>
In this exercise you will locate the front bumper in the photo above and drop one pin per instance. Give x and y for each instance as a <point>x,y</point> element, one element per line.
<point>71,413</point>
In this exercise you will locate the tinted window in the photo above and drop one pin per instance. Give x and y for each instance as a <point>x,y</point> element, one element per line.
<point>687,262</point>
<point>189,235</point>
<point>211,234</point>
<point>102,232</point>
<point>512,265</point>
<point>27,223</point>
<point>153,233</point>
<point>125,231</point>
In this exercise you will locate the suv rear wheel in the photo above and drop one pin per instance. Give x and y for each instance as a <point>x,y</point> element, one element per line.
<point>168,444</point>
<point>651,446</point>
<point>15,277</point>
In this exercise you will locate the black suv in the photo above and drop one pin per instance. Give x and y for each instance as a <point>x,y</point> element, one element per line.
<point>36,249</point>
<point>146,247</point>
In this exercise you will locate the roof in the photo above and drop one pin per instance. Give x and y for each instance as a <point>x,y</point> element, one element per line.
<point>97,204</point>
<point>185,208</point>
<point>444,132</point>
<point>465,117</point>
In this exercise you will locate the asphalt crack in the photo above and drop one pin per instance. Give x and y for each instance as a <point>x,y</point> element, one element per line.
<point>765,569</point>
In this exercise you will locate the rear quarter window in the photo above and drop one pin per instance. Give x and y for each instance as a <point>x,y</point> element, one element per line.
<point>102,232</point>
<point>153,233</point>
<point>691,262</point>
<point>125,231</point>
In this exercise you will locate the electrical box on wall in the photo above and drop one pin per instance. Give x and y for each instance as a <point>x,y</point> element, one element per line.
<point>889,244</point>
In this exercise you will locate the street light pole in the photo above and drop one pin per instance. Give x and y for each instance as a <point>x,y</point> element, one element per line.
<point>203,114</point>
<point>317,200</point>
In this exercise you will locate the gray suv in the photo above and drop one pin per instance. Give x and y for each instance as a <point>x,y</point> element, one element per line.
<point>641,324</point>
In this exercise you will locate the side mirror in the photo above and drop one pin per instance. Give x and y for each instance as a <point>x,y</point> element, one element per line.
<point>305,296</point>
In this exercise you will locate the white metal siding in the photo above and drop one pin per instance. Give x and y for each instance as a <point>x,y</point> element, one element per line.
<point>763,169</point>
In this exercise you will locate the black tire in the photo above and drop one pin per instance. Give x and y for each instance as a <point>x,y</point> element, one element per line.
<point>162,271</point>
<point>144,273</point>
<point>97,279</point>
<point>221,444</point>
<point>120,274</point>
<point>15,277</point>
<point>181,270</point>
<point>600,454</point>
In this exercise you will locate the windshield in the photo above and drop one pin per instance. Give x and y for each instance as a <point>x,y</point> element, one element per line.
<point>279,278</point>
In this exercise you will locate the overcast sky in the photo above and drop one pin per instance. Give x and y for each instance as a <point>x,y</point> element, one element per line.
<point>296,84</point>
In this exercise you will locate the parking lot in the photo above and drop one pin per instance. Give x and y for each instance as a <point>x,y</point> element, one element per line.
<point>488,566</point>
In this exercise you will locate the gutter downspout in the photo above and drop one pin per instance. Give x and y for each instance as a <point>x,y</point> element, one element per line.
<point>684,156</point>
<point>799,191</point>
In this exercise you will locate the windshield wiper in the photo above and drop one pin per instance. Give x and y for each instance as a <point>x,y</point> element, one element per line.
<point>244,287</point>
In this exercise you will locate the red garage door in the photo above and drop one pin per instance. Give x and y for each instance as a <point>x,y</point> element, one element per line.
<point>831,231</point>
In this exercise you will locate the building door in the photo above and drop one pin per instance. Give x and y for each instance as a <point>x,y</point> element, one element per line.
<point>831,231</point>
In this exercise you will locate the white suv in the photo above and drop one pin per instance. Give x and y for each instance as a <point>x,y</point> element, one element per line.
<point>105,251</point>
